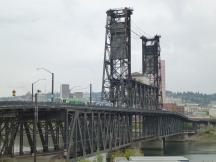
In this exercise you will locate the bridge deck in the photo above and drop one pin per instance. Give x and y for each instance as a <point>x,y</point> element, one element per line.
<point>81,130</point>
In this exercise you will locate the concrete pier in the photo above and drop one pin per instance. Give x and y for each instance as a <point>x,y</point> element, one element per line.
<point>153,144</point>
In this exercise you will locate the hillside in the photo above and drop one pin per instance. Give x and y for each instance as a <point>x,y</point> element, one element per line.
<point>193,97</point>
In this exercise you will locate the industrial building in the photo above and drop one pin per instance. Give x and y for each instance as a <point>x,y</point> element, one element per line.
<point>64,91</point>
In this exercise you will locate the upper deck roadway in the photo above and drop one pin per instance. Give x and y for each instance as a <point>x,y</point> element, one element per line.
<point>20,105</point>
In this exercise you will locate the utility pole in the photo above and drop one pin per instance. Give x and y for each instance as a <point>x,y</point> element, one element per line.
<point>35,126</point>
<point>52,88</point>
<point>90,98</point>
<point>52,99</point>
<point>32,92</point>
<point>33,87</point>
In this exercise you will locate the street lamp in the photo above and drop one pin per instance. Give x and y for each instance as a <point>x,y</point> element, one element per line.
<point>52,74</point>
<point>33,87</point>
<point>35,124</point>
<point>90,96</point>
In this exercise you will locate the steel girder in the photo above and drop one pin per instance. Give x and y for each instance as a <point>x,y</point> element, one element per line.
<point>98,131</point>
<point>92,131</point>
<point>16,133</point>
<point>143,96</point>
<point>81,131</point>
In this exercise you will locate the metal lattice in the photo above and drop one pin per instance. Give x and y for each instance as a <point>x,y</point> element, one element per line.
<point>117,57</point>
<point>151,63</point>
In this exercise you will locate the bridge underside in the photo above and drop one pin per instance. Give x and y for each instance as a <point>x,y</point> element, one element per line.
<point>81,130</point>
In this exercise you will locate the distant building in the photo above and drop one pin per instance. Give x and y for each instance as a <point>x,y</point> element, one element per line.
<point>169,106</point>
<point>180,109</point>
<point>42,97</point>
<point>212,112</point>
<point>173,107</point>
<point>195,110</point>
<point>190,108</point>
<point>64,91</point>
<point>163,80</point>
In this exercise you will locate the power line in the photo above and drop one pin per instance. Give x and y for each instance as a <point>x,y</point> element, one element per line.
<point>135,33</point>
<point>135,38</point>
<point>140,29</point>
<point>137,30</point>
<point>82,88</point>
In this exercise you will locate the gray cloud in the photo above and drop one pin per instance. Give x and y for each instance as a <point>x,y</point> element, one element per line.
<point>67,37</point>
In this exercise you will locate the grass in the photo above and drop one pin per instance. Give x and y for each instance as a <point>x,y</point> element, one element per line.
<point>99,158</point>
<point>127,153</point>
<point>205,133</point>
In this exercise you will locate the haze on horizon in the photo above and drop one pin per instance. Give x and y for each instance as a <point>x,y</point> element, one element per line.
<point>67,37</point>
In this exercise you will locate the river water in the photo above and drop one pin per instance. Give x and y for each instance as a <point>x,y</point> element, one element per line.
<point>194,151</point>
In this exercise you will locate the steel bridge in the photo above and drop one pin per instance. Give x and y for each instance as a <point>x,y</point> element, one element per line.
<point>136,111</point>
<point>81,130</point>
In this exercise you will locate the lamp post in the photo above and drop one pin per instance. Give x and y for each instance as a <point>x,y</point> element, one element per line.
<point>52,74</point>
<point>90,92</point>
<point>35,124</point>
<point>33,87</point>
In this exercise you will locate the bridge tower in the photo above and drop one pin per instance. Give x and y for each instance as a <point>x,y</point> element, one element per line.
<point>117,57</point>
<point>151,63</point>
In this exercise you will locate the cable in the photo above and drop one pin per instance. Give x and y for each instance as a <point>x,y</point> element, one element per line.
<point>138,27</point>
<point>135,33</point>
<point>135,39</point>
<point>82,88</point>
<point>142,31</point>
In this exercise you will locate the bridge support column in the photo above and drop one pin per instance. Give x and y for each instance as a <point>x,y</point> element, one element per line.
<point>21,138</point>
<point>177,138</point>
<point>65,133</point>
<point>46,137</point>
<point>154,143</point>
<point>164,143</point>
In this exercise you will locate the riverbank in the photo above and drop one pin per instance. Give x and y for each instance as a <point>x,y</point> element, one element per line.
<point>195,151</point>
<point>204,134</point>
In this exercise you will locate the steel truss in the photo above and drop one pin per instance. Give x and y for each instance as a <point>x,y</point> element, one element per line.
<point>117,57</point>
<point>151,63</point>
<point>143,96</point>
<point>118,87</point>
<point>18,131</point>
<point>82,131</point>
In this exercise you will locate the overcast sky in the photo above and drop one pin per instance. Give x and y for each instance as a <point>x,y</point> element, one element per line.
<point>67,37</point>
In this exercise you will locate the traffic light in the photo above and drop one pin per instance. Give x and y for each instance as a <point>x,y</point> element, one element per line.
<point>14,93</point>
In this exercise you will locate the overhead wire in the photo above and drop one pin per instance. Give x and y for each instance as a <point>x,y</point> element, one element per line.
<point>82,88</point>
<point>135,33</point>
<point>137,30</point>
<point>135,38</point>
<point>141,31</point>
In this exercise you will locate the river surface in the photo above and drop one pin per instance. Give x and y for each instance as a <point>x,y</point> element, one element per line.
<point>194,151</point>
